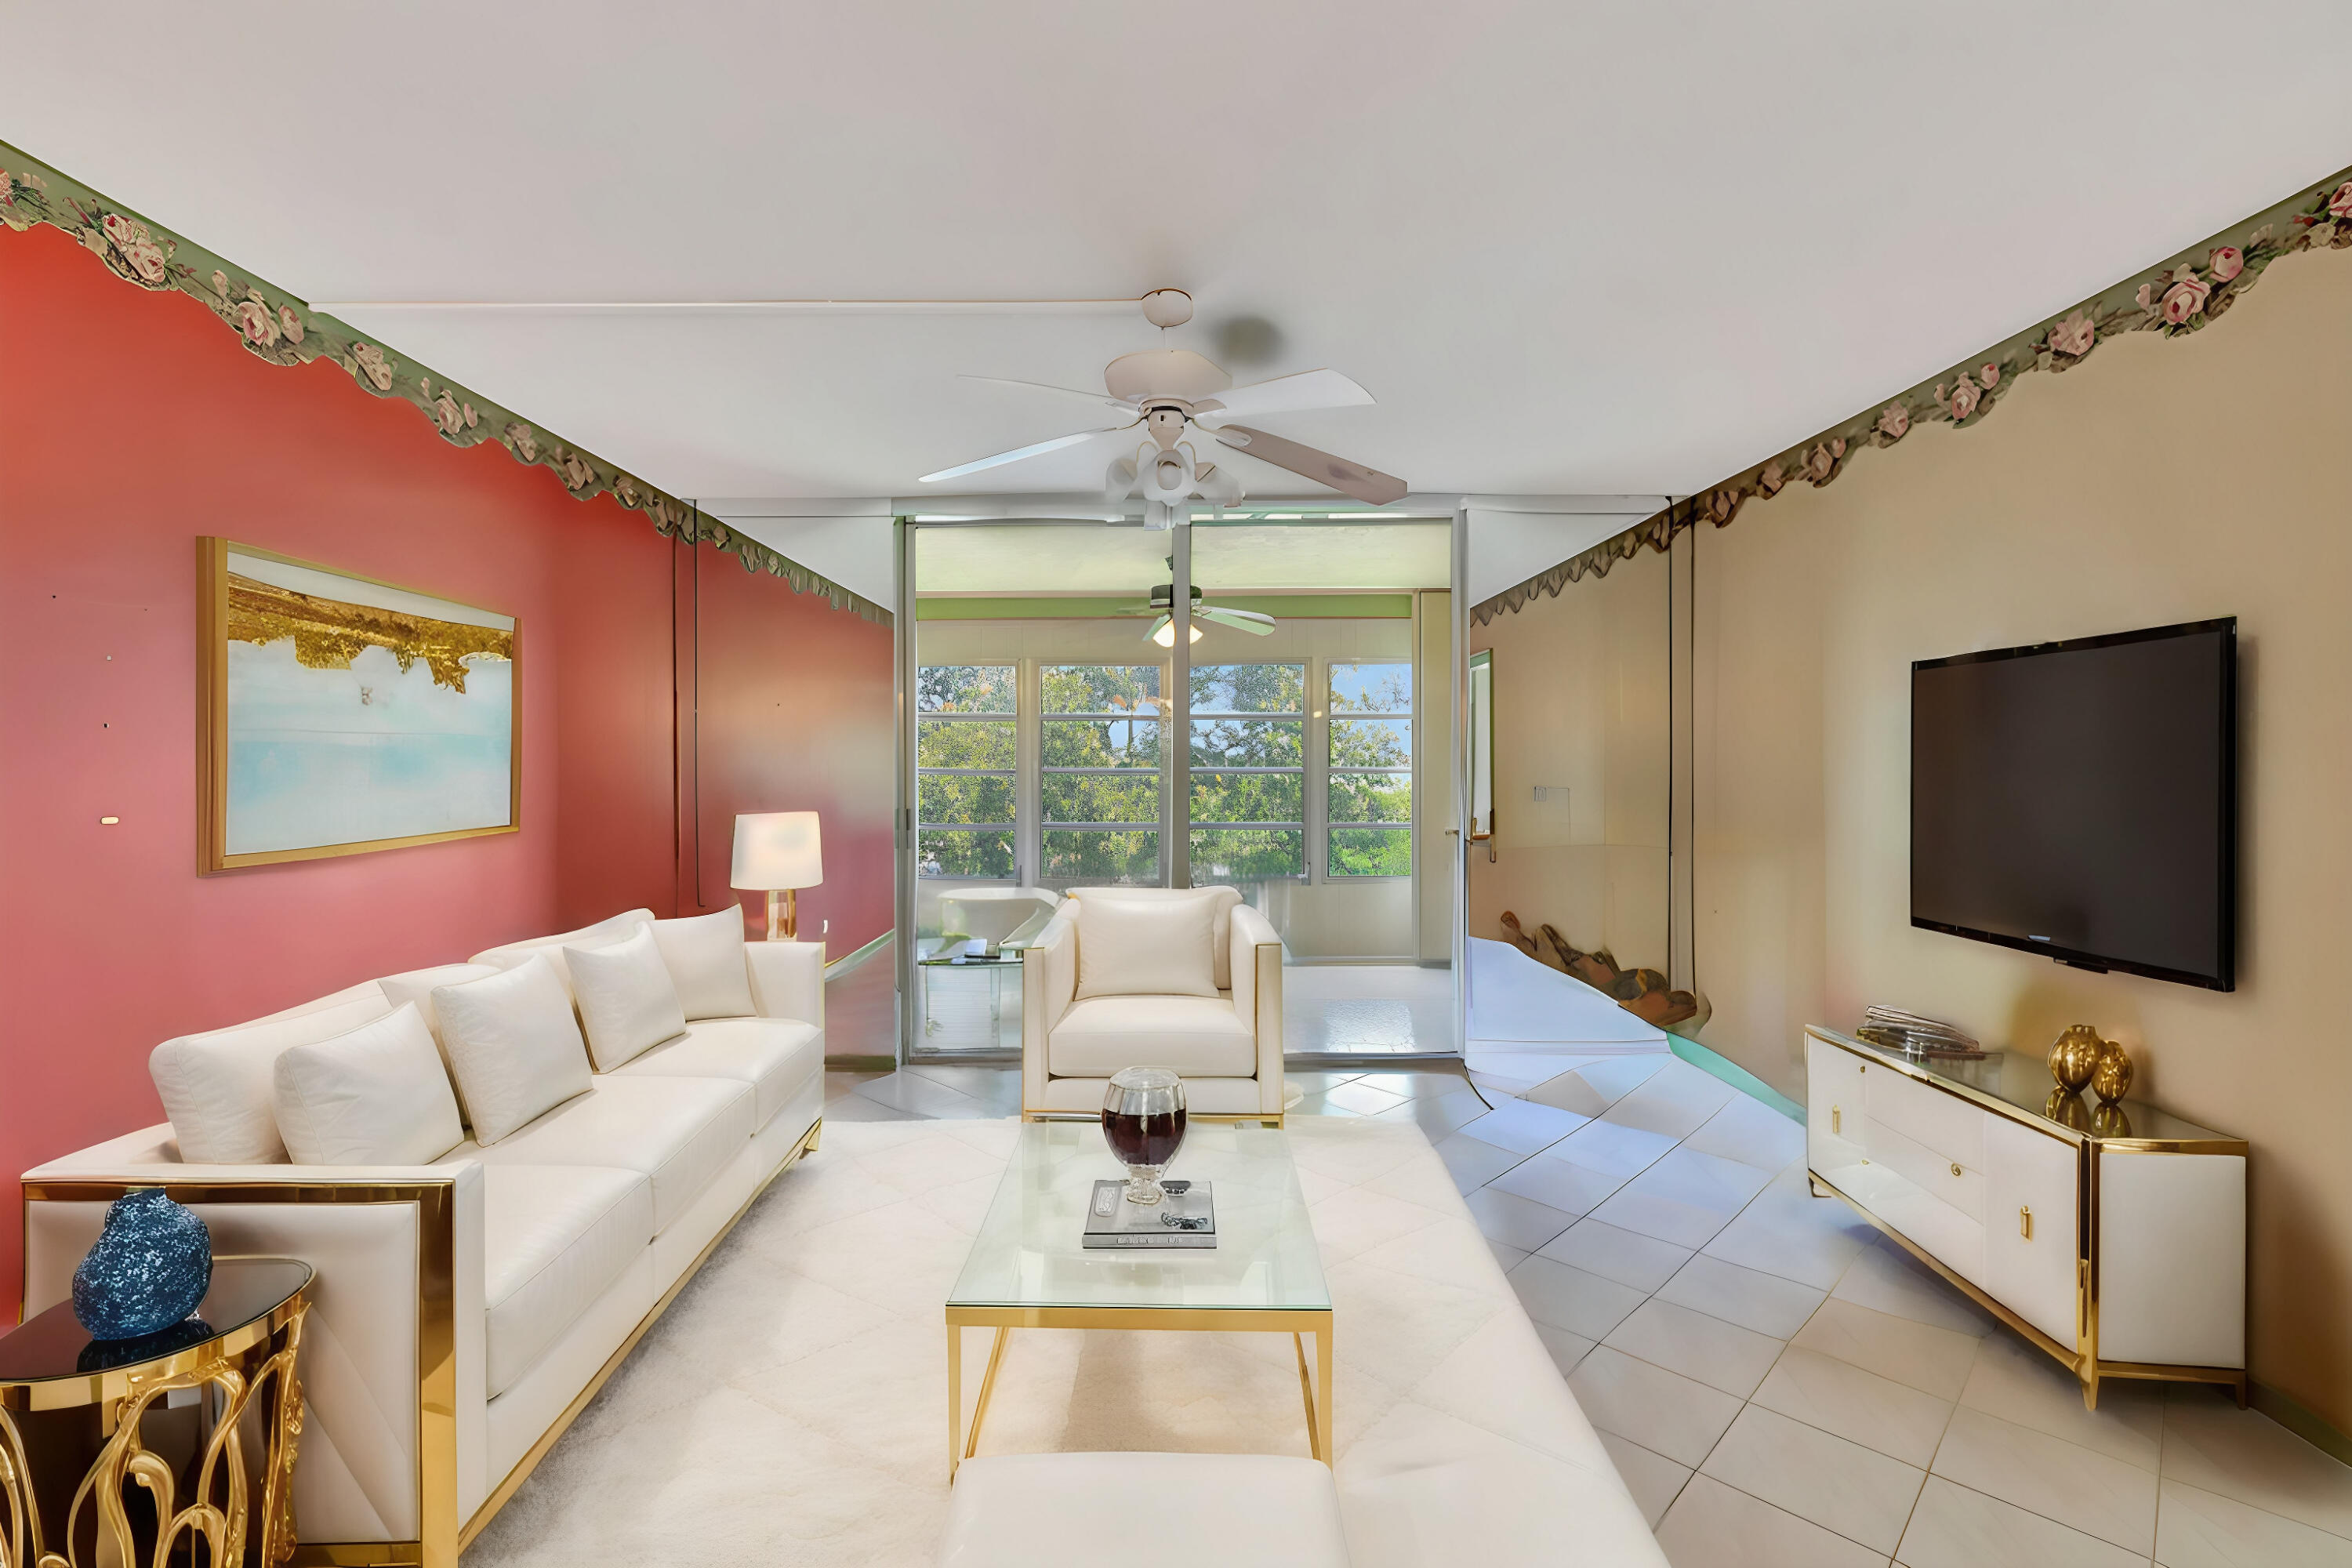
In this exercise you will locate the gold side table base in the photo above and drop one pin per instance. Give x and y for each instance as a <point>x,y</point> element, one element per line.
<point>1314,1393</point>
<point>245,1374</point>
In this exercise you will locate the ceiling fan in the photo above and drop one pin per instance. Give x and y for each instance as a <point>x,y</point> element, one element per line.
<point>1172,393</point>
<point>1163,628</point>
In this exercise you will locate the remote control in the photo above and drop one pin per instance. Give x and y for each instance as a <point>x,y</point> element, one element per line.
<point>1106,1202</point>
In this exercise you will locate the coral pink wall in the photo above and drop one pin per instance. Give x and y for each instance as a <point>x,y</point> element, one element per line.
<point>792,715</point>
<point>132,424</point>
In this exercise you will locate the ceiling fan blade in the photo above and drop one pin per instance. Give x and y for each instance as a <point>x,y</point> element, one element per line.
<point>1036,449</point>
<point>1368,485</point>
<point>1285,394</point>
<point>1248,621</point>
<point>1102,399</point>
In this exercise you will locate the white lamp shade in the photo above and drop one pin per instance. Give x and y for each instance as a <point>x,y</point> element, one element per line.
<point>776,849</point>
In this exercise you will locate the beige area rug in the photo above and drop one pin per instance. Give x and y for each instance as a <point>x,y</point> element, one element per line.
<point>791,1406</point>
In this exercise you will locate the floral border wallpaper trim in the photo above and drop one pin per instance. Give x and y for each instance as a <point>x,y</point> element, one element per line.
<point>276,327</point>
<point>2181,296</point>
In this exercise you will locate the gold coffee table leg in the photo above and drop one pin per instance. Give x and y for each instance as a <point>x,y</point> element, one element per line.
<point>955,1399</point>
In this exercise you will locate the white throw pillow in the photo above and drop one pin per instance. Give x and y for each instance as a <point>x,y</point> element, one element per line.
<point>375,1096</point>
<point>627,998</point>
<point>704,954</point>
<point>514,1044</point>
<point>415,988</point>
<point>1147,947</point>
<point>1223,899</point>
<point>512,954</point>
<point>215,1086</point>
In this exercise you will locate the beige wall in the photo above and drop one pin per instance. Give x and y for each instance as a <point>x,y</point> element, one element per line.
<point>1582,700</point>
<point>2159,482</point>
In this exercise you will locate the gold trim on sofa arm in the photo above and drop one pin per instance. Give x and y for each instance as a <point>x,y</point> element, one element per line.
<point>436,1337</point>
<point>436,1345</point>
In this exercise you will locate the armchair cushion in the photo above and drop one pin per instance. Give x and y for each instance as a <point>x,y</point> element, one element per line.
<point>377,1095</point>
<point>627,1001</point>
<point>1197,1036</point>
<point>514,1044</point>
<point>678,1132</point>
<point>555,1238</point>
<point>777,1057</point>
<point>217,1087</point>
<point>1222,900</point>
<point>704,954</point>
<point>1147,947</point>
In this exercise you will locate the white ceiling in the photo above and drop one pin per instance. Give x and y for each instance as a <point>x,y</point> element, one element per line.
<point>1569,246</point>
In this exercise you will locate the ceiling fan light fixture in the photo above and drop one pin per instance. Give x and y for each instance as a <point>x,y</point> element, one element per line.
<point>1165,633</point>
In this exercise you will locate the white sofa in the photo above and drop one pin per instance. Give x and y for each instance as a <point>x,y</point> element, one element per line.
<point>466,1309</point>
<point>1225,1043</point>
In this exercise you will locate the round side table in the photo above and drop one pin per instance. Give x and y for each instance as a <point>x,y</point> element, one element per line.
<point>113,1450</point>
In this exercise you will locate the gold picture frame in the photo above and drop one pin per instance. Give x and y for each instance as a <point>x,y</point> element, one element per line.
<point>283,610</point>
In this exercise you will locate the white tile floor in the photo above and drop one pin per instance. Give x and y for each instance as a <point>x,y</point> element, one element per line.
<point>1779,1387</point>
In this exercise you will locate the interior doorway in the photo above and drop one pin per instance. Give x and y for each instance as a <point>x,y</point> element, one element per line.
<point>1300,747</point>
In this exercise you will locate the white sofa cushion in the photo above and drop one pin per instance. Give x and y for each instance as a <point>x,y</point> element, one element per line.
<point>774,1055</point>
<point>704,954</point>
<point>680,1131</point>
<point>514,1046</point>
<point>1225,900</point>
<point>555,1237</point>
<point>217,1090</point>
<point>1075,1510</point>
<point>508,955</point>
<point>628,1003</point>
<point>1147,947</point>
<point>1196,1037</point>
<point>415,986</point>
<point>376,1095</point>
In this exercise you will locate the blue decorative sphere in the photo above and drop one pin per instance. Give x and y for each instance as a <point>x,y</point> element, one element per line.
<point>151,1265</point>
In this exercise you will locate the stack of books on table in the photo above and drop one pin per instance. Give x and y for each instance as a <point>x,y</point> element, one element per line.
<point>1918,1037</point>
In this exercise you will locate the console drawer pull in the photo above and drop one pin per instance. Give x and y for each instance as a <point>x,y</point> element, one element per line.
<point>1834,1117</point>
<point>2025,1222</point>
<point>1955,1167</point>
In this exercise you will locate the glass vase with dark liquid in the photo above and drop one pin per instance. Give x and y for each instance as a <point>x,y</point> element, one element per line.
<point>1143,1122</point>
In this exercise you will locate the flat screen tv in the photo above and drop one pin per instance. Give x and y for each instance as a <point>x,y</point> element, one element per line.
<point>2080,799</point>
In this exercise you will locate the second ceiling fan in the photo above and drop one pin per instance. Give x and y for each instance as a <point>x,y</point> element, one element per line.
<point>1171,393</point>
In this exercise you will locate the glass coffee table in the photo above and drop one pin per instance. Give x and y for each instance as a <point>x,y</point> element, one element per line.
<point>1028,1269</point>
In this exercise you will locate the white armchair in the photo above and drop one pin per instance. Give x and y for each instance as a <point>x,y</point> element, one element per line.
<point>1144,995</point>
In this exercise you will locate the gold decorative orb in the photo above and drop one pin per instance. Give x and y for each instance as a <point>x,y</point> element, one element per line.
<point>2111,1079</point>
<point>2075,1057</point>
<point>2110,1121</point>
<point>2067,1108</point>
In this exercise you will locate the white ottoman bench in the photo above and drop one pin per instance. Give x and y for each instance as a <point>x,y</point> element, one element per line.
<point>1143,1511</point>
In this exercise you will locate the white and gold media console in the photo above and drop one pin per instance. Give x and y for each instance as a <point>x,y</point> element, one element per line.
<point>2114,1238</point>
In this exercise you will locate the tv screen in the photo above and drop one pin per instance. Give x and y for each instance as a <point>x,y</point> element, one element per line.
<point>2079,799</point>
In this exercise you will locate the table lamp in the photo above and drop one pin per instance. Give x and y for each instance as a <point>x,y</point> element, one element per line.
<point>777,852</point>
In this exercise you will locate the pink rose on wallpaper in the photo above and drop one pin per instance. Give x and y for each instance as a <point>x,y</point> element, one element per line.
<point>452,417</point>
<point>2185,298</point>
<point>372,366</point>
<point>290,323</point>
<point>1990,376</point>
<point>1893,421</point>
<point>1770,480</point>
<point>2074,336</point>
<point>1965,398</point>
<point>1818,464</point>
<point>120,229</point>
<point>472,418</point>
<point>2227,263</point>
<point>220,283</point>
<point>519,436</point>
<point>2340,205</point>
<point>146,259</point>
<point>2143,297</point>
<point>7,190</point>
<point>254,320</point>
<point>576,471</point>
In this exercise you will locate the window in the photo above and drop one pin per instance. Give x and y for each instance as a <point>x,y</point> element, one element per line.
<point>966,752</point>
<point>1099,779</point>
<point>1370,799</point>
<point>1248,758</point>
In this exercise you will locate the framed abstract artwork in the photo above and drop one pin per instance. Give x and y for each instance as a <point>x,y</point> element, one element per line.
<point>342,715</point>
